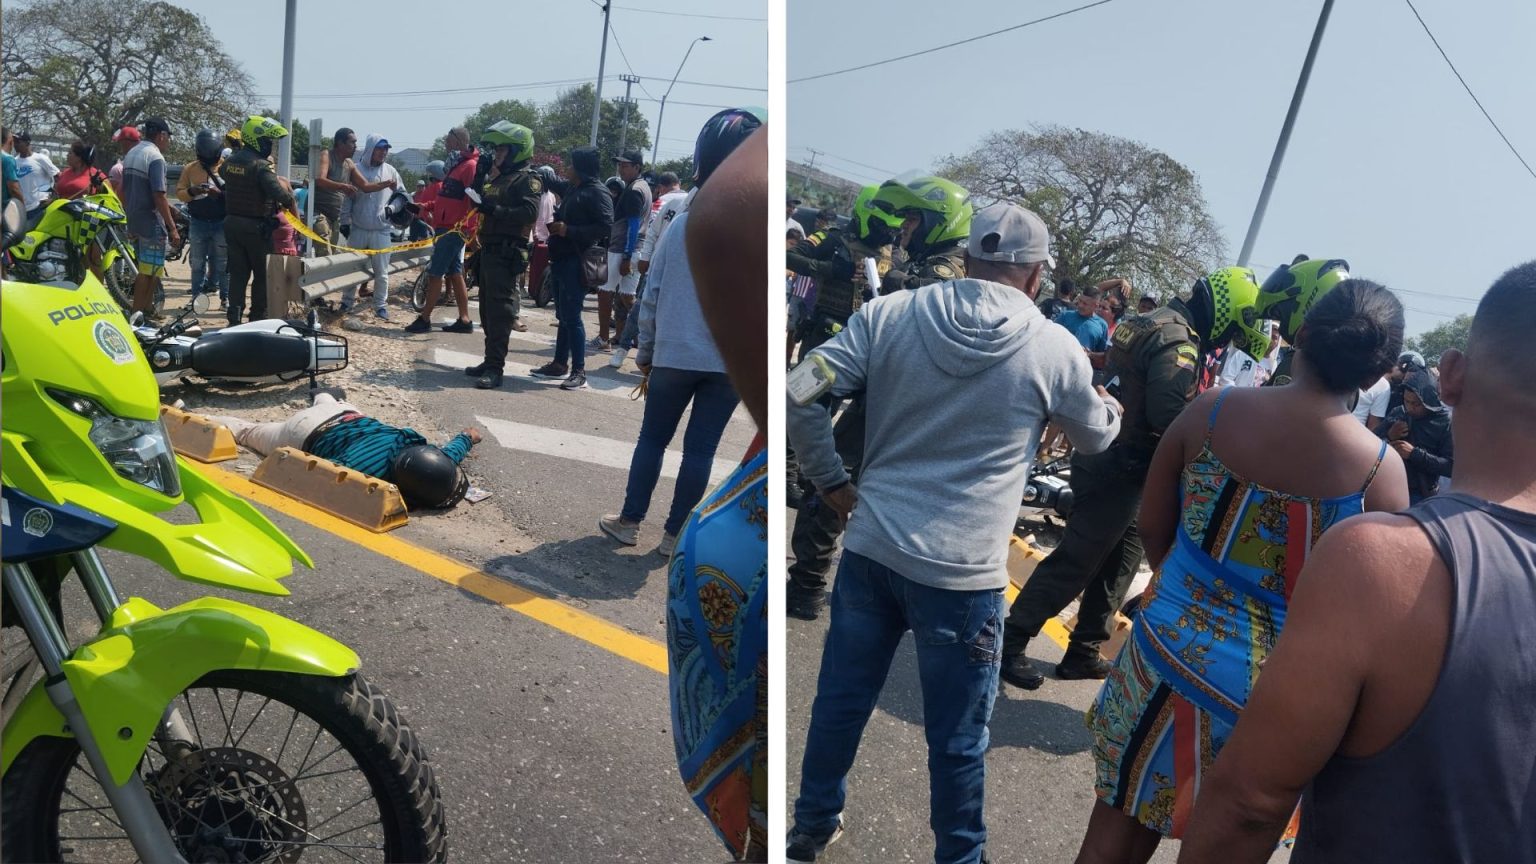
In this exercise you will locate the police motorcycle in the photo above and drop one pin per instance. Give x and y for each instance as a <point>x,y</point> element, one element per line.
<point>59,246</point>
<point>256,352</point>
<point>210,731</point>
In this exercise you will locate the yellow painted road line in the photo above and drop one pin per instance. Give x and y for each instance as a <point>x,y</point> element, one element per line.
<point>1053,628</point>
<point>584,626</point>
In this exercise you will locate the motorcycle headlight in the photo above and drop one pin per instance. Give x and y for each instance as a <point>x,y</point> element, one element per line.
<point>139,450</point>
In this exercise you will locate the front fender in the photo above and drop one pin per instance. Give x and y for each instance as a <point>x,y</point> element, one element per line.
<point>125,677</point>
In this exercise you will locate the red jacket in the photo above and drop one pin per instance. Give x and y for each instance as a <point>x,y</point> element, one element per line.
<point>451,205</point>
<point>427,198</point>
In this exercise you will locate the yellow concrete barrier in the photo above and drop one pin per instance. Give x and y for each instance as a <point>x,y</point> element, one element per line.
<point>1023,558</point>
<point>196,437</point>
<point>353,496</point>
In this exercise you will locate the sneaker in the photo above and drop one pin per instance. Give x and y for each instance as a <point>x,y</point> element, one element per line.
<point>420,325</point>
<point>803,848</point>
<point>550,370</point>
<point>667,544</point>
<point>519,326</point>
<point>804,604</point>
<point>619,356</point>
<point>346,308</point>
<point>615,526</point>
<point>490,379</point>
<point>600,343</point>
<point>381,313</point>
<point>1081,666</point>
<point>577,381</point>
<point>459,327</point>
<point>1018,671</point>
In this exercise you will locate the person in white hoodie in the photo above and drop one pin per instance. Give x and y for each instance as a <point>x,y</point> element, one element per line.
<point>960,378</point>
<point>376,180</point>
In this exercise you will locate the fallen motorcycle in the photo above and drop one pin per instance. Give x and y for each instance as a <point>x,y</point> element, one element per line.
<point>211,731</point>
<point>252,353</point>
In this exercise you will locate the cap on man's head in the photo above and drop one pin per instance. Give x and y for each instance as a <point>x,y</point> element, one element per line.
<point>632,156</point>
<point>792,201</point>
<point>585,160</point>
<point>24,137</point>
<point>1008,232</point>
<point>127,133</point>
<point>382,143</point>
<point>155,125</point>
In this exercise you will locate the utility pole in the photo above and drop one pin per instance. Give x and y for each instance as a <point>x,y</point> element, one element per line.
<point>1285,137</point>
<point>285,144</point>
<point>629,81</point>
<point>602,61</point>
<point>662,114</point>
<point>810,168</point>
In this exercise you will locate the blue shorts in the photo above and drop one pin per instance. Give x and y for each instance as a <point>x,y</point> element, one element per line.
<point>447,255</point>
<point>150,254</point>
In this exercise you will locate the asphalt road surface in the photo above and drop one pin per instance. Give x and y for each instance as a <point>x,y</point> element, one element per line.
<point>551,735</point>
<point>1039,767</point>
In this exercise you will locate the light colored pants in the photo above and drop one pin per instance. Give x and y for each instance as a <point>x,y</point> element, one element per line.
<point>364,239</point>
<point>264,438</point>
<point>624,284</point>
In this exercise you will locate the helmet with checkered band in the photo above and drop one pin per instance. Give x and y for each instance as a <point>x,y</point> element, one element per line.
<point>1222,305</point>
<point>1290,292</point>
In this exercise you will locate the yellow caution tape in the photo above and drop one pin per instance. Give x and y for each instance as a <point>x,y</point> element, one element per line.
<point>299,226</point>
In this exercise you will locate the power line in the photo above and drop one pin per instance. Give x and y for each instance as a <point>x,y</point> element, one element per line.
<point>951,44</point>
<point>885,171</point>
<point>1468,88</point>
<point>687,14</point>
<point>531,85</point>
<point>710,84</point>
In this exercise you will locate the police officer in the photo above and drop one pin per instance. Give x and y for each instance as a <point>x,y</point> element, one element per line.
<point>509,204</point>
<point>837,264</point>
<point>1287,295</point>
<point>936,217</point>
<point>933,210</point>
<point>252,195</point>
<point>1157,357</point>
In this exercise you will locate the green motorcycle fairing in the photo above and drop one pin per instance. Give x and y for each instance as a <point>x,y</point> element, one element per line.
<point>126,676</point>
<point>73,340</point>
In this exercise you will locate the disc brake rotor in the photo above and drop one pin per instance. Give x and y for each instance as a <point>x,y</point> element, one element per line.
<point>225,804</point>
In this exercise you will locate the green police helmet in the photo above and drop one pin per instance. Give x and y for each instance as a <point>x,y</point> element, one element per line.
<point>256,129</point>
<point>870,218</point>
<point>1228,296</point>
<point>1289,292</point>
<point>942,207</point>
<point>518,138</point>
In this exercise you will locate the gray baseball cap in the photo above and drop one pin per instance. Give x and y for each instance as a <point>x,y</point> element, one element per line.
<point>1008,232</point>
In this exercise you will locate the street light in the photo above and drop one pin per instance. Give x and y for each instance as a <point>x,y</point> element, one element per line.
<point>660,115</point>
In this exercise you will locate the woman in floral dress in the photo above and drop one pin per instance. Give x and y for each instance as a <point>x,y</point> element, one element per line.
<point>1243,484</point>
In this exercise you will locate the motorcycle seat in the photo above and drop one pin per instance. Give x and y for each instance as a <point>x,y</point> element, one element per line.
<point>249,354</point>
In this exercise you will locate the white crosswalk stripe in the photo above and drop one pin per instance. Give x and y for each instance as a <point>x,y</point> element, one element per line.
<point>597,384</point>
<point>590,449</point>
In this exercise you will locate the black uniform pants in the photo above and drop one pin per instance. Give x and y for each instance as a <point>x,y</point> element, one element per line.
<point>1098,556</point>
<point>814,540</point>
<point>500,265</point>
<point>247,240</point>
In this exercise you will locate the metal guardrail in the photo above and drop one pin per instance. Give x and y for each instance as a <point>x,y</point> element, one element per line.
<point>312,278</point>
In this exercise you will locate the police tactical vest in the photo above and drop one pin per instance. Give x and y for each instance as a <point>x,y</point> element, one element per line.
<point>840,298</point>
<point>1135,342</point>
<point>242,185</point>
<point>504,192</point>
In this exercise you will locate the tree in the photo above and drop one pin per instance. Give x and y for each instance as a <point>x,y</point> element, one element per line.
<point>85,68</point>
<point>1115,207</point>
<point>682,167</point>
<point>566,123</point>
<point>1433,343</point>
<point>513,110</point>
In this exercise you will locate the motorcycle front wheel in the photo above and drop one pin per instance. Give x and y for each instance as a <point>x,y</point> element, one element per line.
<point>284,768</point>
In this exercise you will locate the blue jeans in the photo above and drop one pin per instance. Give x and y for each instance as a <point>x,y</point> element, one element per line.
<point>667,397</point>
<point>570,294</point>
<point>209,253</point>
<point>959,637</point>
<point>631,334</point>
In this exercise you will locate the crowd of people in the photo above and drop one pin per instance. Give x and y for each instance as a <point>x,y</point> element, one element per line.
<point>1232,437</point>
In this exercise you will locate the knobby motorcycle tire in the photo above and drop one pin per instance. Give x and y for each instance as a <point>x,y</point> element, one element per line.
<point>361,718</point>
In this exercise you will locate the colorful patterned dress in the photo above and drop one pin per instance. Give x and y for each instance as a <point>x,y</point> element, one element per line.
<point>1207,621</point>
<point>717,657</point>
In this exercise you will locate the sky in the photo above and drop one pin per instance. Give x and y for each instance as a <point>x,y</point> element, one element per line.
<point>411,46</point>
<point>1390,166</point>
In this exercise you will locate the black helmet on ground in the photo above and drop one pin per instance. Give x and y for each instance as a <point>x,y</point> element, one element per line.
<point>428,478</point>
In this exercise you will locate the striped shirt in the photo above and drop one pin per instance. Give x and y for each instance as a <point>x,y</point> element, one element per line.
<point>364,444</point>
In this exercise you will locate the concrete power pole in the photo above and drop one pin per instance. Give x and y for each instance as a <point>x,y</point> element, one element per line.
<point>629,81</point>
<point>602,61</point>
<point>805,187</point>
<point>285,144</point>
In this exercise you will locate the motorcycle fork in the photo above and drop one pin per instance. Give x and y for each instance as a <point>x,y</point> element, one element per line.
<point>130,801</point>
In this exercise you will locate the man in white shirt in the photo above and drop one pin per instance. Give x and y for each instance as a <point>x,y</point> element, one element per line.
<point>1371,407</point>
<point>376,181</point>
<point>35,171</point>
<point>1240,370</point>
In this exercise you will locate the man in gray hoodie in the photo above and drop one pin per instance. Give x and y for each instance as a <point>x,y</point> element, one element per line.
<point>960,378</point>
